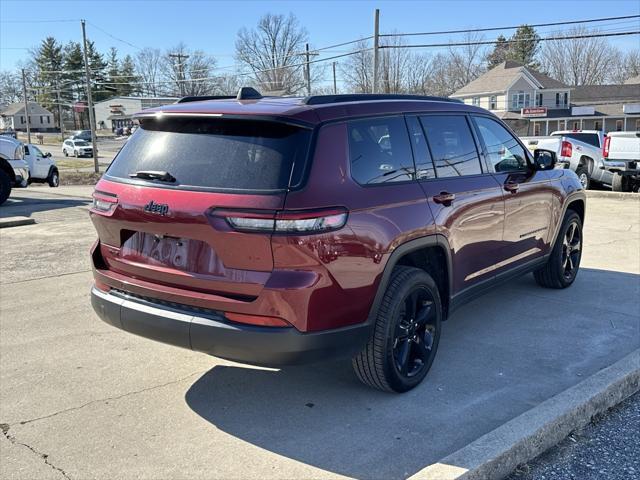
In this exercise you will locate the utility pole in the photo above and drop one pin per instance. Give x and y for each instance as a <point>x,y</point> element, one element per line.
<point>335,86</point>
<point>306,69</point>
<point>376,45</point>
<point>26,105</point>
<point>92,120</point>
<point>181,78</point>
<point>59,108</point>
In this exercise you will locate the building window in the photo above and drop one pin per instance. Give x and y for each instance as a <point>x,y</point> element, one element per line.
<point>48,119</point>
<point>520,100</point>
<point>566,99</point>
<point>21,119</point>
<point>41,118</point>
<point>557,99</point>
<point>638,125</point>
<point>536,129</point>
<point>596,125</point>
<point>538,99</point>
<point>475,101</point>
<point>619,125</point>
<point>493,103</point>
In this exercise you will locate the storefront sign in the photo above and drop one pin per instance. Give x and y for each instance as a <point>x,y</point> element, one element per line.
<point>533,112</point>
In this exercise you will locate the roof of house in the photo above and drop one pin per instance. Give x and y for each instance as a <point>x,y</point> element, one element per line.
<point>18,109</point>
<point>600,94</point>
<point>633,80</point>
<point>500,77</point>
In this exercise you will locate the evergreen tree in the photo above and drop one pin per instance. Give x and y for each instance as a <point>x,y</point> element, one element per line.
<point>48,62</point>
<point>128,77</point>
<point>524,46</point>
<point>499,53</point>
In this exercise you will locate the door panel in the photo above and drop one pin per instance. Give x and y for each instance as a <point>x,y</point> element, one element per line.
<point>527,196</point>
<point>467,204</point>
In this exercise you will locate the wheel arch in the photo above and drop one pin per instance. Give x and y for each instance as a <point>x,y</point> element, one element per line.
<point>6,167</point>
<point>432,254</point>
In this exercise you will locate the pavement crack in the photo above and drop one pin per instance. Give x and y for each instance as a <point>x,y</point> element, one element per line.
<point>108,399</point>
<point>45,457</point>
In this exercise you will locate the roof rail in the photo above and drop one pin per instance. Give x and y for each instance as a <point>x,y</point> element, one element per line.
<point>356,97</point>
<point>200,98</point>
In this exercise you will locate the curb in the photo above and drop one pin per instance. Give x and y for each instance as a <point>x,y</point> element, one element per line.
<point>16,221</point>
<point>612,195</point>
<point>523,438</point>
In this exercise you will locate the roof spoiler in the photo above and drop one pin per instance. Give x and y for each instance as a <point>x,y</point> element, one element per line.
<point>244,93</point>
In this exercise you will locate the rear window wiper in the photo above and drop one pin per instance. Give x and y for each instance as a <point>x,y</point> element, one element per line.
<point>154,175</point>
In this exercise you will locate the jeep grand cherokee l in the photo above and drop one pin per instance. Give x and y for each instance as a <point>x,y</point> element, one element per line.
<point>277,231</point>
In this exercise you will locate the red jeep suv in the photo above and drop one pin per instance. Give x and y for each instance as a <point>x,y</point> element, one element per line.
<point>277,231</point>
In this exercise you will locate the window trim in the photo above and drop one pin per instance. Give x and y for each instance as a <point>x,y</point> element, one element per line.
<point>413,152</point>
<point>485,155</point>
<point>493,102</point>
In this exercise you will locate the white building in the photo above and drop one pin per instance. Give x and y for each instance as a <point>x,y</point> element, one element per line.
<point>533,103</point>
<point>117,112</point>
<point>13,117</point>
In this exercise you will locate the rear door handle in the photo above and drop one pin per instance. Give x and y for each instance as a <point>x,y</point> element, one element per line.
<point>444,198</point>
<point>511,187</point>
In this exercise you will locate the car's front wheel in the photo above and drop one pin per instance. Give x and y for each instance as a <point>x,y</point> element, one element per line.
<point>405,335</point>
<point>562,267</point>
<point>5,187</point>
<point>54,179</point>
<point>64,150</point>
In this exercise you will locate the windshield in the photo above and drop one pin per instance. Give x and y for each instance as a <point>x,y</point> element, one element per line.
<point>215,153</point>
<point>81,144</point>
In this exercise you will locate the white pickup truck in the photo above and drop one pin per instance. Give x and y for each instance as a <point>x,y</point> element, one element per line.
<point>622,160</point>
<point>579,150</point>
<point>42,166</point>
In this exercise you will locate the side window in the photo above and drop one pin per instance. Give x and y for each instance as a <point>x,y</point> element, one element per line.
<point>452,146</point>
<point>504,153</point>
<point>26,150</point>
<point>422,157</point>
<point>379,151</point>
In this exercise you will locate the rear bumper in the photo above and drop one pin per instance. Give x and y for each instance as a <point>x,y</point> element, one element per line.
<point>210,332</point>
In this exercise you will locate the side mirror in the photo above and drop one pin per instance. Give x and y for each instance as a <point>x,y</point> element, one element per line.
<point>48,154</point>
<point>544,159</point>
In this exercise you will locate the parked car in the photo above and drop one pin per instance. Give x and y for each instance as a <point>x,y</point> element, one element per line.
<point>9,132</point>
<point>81,135</point>
<point>14,171</point>
<point>42,166</point>
<point>284,231</point>
<point>578,150</point>
<point>77,148</point>
<point>622,160</point>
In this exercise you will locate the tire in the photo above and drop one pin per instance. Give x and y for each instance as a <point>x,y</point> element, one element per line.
<point>584,177</point>
<point>64,150</point>
<point>395,337</point>
<point>620,183</point>
<point>5,187</point>
<point>54,179</point>
<point>555,273</point>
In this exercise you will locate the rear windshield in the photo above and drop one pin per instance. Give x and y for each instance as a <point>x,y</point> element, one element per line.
<point>221,154</point>
<point>590,138</point>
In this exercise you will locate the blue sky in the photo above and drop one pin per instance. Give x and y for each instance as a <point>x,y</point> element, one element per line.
<point>212,25</point>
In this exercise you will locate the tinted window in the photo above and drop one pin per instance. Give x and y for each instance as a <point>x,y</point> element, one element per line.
<point>590,138</point>
<point>452,146</point>
<point>215,153</point>
<point>422,157</point>
<point>504,153</point>
<point>379,151</point>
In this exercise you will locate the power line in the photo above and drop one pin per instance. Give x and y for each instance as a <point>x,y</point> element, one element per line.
<point>493,29</point>
<point>113,36</point>
<point>42,21</point>
<point>492,42</point>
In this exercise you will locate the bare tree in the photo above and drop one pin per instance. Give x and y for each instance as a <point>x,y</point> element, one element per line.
<point>626,66</point>
<point>578,61</point>
<point>395,60</point>
<point>147,64</point>
<point>357,69</point>
<point>465,63</point>
<point>272,53</point>
<point>10,87</point>
<point>191,71</point>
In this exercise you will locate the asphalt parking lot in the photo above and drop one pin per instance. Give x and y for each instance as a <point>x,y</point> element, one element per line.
<point>81,399</point>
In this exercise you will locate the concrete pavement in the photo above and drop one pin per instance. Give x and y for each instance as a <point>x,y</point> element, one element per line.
<point>80,399</point>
